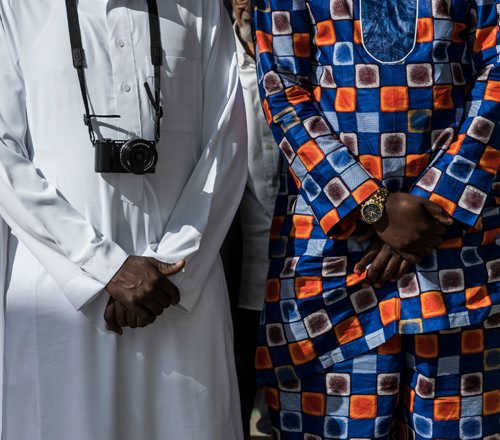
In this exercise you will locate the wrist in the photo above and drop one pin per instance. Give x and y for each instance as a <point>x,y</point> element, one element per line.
<point>372,210</point>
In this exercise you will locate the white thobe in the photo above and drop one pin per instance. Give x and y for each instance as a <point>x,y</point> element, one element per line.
<point>257,205</point>
<point>65,376</point>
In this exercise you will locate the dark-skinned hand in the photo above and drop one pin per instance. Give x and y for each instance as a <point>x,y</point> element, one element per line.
<point>386,264</point>
<point>117,317</point>
<point>412,226</point>
<point>141,286</point>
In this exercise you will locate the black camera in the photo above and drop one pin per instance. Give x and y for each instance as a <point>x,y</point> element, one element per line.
<point>135,156</point>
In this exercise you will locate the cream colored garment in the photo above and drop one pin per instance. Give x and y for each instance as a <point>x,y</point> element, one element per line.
<point>257,206</point>
<point>65,376</point>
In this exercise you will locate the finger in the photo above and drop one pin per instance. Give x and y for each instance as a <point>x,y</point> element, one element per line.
<point>154,307</point>
<point>403,270</point>
<point>412,258</point>
<point>368,257</point>
<point>109,317</point>
<point>121,315</point>
<point>131,319</point>
<point>424,251</point>
<point>168,269</point>
<point>434,241</point>
<point>142,324</point>
<point>390,270</point>
<point>438,213</point>
<point>379,263</point>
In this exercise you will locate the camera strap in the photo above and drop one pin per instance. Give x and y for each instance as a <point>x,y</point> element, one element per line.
<point>79,63</point>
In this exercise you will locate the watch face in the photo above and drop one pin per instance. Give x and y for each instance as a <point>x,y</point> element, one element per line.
<point>372,213</point>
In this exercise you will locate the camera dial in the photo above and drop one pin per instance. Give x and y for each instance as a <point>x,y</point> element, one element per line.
<point>138,156</point>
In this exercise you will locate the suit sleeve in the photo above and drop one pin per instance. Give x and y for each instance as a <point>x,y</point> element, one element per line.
<point>33,208</point>
<point>331,179</point>
<point>208,203</point>
<point>460,178</point>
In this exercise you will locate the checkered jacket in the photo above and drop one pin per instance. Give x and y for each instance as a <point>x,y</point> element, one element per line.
<point>361,94</point>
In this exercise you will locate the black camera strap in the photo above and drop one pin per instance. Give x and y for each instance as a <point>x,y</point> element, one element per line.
<point>79,63</point>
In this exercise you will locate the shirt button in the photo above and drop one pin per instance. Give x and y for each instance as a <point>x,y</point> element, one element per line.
<point>126,87</point>
<point>120,43</point>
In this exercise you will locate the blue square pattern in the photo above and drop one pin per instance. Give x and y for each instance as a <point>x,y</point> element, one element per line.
<point>283,44</point>
<point>338,405</point>
<point>289,311</point>
<point>443,29</point>
<point>461,168</point>
<point>334,295</point>
<point>295,331</point>
<point>340,159</point>
<point>394,167</point>
<point>471,406</point>
<point>368,122</point>
<point>423,426</point>
<point>470,256</point>
<point>315,248</point>
<point>336,427</point>
<point>470,428</point>
<point>442,74</point>
<point>383,426</point>
<point>290,402</point>
<point>343,54</point>
<point>365,364</point>
<point>311,188</point>
<point>291,421</point>
<point>448,365</point>
<point>354,176</point>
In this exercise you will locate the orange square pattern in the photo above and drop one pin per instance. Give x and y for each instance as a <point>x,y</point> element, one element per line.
<point>364,191</point>
<point>442,98</point>
<point>345,100</point>
<point>394,99</point>
<point>416,163</point>
<point>348,330</point>
<point>392,346</point>
<point>301,45</point>
<point>264,42</point>
<point>372,164</point>
<point>297,94</point>
<point>310,154</point>
<point>314,404</point>
<point>305,287</point>
<point>490,160</point>
<point>456,36</point>
<point>390,310</point>
<point>363,406</point>
<point>357,32</point>
<point>477,297</point>
<point>485,38</point>
<point>457,145</point>
<point>273,398</point>
<point>302,352</point>
<point>426,346</point>
<point>445,203</point>
<point>472,341</point>
<point>491,402</point>
<point>492,92</point>
<point>302,226</point>
<point>425,30</point>
<point>432,304</point>
<point>447,408</point>
<point>329,220</point>
<point>263,359</point>
<point>325,35</point>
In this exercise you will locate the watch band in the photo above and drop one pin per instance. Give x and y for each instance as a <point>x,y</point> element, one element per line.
<point>379,197</point>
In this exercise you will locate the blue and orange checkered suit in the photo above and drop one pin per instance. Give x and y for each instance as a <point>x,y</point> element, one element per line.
<point>357,101</point>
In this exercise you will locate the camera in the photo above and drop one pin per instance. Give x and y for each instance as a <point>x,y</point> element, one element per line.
<point>136,156</point>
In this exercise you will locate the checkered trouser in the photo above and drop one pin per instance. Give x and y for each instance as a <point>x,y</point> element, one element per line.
<point>442,385</point>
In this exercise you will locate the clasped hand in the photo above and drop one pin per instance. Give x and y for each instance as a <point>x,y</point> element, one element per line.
<point>139,292</point>
<point>411,228</point>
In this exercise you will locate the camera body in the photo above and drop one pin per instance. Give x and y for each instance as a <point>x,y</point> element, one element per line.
<point>135,156</point>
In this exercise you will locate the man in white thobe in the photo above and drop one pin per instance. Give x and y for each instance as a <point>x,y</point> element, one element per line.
<point>71,229</point>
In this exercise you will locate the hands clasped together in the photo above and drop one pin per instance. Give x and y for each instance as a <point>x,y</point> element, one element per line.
<point>410,229</point>
<point>140,291</point>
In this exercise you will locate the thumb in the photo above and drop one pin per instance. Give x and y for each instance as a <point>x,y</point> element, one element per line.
<point>438,213</point>
<point>168,269</point>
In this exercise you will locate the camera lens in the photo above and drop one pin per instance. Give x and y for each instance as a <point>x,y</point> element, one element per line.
<point>138,156</point>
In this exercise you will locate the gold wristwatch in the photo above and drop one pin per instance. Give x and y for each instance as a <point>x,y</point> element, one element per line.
<point>373,209</point>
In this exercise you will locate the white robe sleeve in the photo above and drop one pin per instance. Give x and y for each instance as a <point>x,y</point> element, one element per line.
<point>37,214</point>
<point>205,210</point>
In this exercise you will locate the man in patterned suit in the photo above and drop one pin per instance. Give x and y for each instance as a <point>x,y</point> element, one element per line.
<point>383,295</point>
